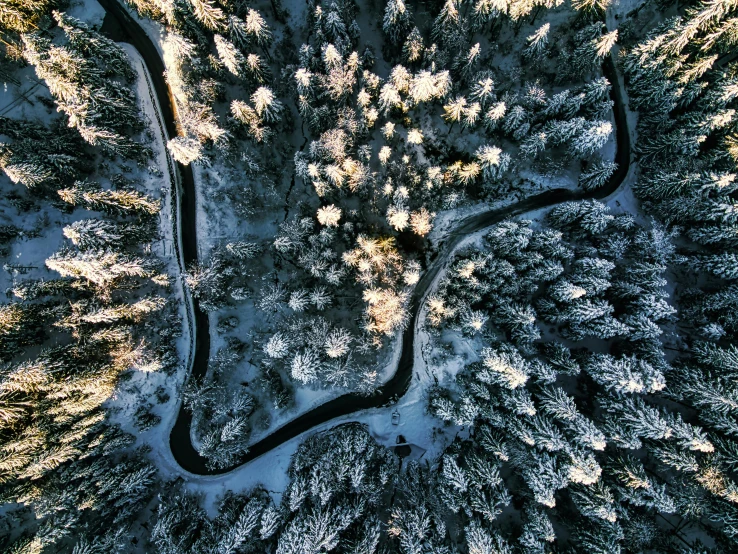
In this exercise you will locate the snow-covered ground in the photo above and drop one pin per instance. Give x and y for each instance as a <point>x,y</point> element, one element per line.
<point>158,184</point>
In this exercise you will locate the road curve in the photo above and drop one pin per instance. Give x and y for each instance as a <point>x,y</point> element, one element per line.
<point>125,28</point>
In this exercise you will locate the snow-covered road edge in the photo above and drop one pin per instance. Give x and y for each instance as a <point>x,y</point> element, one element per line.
<point>170,226</point>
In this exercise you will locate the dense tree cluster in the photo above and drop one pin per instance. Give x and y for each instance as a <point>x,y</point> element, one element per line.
<point>686,88</point>
<point>588,413</point>
<point>221,413</point>
<point>70,475</point>
<point>338,487</point>
<point>79,75</point>
<point>379,158</point>
<point>225,274</point>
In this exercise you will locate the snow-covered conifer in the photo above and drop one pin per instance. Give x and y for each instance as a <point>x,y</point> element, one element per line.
<point>398,217</point>
<point>481,541</point>
<point>320,298</point>
<point>505,367</point>
<point>99,266</point>
<point>257,28</point>
<point>590,5</point>
<point>421,221</point>
<point>489,159</point>
<point>186,150</point>
<point>337,343</point>
<point>229,55</point>
<point>537,42</point>
<point>495,115</point>
<point>277,346</point>
<point>329,215</point>
<point>482,91</point>
<point>304,366</point>
<point>298,300</point>
<point>89,234</point>
<point>209,14</point>
<point>397,21</point>
<point>266,105</point>
<point>596,176</point>
<point>413,48</point>
<point>591,139</point>
<point>243,250</point>
<point>426,86</point>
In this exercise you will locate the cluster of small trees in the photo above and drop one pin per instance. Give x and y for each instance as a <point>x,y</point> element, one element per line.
<point>243,521</point>
<point>338,488</point>
<point>412,172</point>
<point>42,159</point>
<point>221,413</point>
<point>373,139</point>
<point>209,46</point>
<point>312,351</point>
<point>225,275</point>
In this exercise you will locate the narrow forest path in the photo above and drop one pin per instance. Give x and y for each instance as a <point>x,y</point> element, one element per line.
<point>183,452</point>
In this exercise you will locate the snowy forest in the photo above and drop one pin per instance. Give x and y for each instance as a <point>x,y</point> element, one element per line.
<point>382,276</point>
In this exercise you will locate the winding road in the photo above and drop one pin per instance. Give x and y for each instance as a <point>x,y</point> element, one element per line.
<point>122,27</point>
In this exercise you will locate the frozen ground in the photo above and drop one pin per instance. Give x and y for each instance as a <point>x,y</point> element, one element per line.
<point>87,10</point>
<point>158,185</point>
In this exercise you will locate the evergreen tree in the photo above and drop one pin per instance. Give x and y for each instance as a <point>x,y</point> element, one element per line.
<point>397,22</point>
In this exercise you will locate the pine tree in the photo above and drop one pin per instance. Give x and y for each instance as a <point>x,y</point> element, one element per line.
<point>412,49</point>
<point>91,43</point>
<point>426,86</point>
<point>479,541</point>
<point>207,13</point>
<point>397,21</point>
<point>305,365</point>
<point>592,138</point>
<point>257,28</point>
<point>29,174</point>
<point>468,64</point>
<point>591,5</point>
<point>277,346</point>
<point>93,197</point>
<point>238,32</point>
<point>593,46</point>
<point>187,150</point>
<point>490,159</point>
<point>90,234</point>
<point>482,91</point>
<point>446,24</point>
<point>266,105</point>
<point>22,16</point>
<point>298,300</point>
<point>486,11</point>
<point>627,375</point>
<point>598,175</point>
<point>537,42</point>
<point>229,55</point>
<point>99,266</point>
<point>505,367</point>
<point>722,265</point>
<point>329,216</point>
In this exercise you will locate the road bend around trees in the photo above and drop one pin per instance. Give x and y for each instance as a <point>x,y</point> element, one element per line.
<point>122,27</point>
